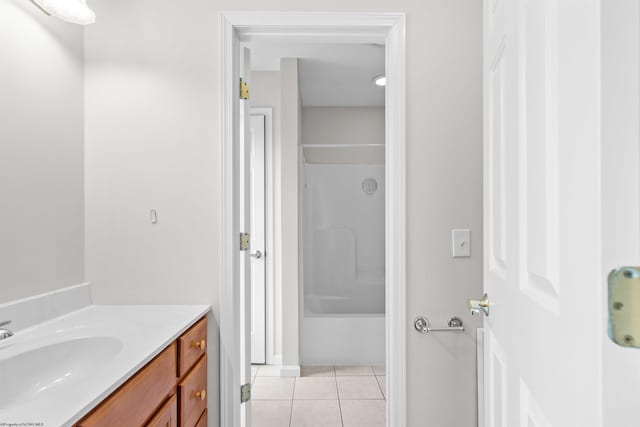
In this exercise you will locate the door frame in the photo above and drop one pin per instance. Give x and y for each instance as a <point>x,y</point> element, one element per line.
<point>314,27</point>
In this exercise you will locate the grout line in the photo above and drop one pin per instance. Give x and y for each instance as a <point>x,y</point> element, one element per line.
<point>339,400</point>
<point>295,380</point>
<point>384,395</point>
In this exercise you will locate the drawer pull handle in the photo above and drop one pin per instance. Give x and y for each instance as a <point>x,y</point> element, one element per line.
<point>201,394</point>
<point>201,344</point>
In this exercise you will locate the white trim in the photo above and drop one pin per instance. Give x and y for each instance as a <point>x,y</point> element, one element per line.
<point>290,371</point>
<point>480,374</point>
<point>388,28</point>
<point>272,353</point>
<point>228,168</point>
<point>341,145</point>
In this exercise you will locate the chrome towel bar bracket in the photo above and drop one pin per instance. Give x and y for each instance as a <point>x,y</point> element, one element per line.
<point>422,325</point>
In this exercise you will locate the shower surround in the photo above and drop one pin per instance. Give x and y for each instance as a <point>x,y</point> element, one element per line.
<point>343,290</point>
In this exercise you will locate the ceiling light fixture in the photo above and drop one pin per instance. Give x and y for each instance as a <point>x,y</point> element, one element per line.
<point>74,11</point>
<point>380,80</point>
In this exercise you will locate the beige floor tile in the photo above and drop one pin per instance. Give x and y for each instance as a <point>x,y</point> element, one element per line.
<point>363,413</point>
<point>316,413</point>
<point>317,371</point>
<point>316,388</point>
<point>379,370</point>
<point>272,388</point>
<point>254,370</point>
<point>353,370</point>
<point>358,388</point>
<point>270,413</point>
<point>268,371</point>
<point>382,380</point>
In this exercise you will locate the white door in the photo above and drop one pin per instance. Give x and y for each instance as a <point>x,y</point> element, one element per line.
<point>621,198</point>
<point>542,270</point>
<point>258,264</point>
<point>245,226</point>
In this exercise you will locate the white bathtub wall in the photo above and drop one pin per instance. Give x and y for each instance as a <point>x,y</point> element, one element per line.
<point>343,240</point>
<point>344,248</point>
<point>41,152</point>
<point>354,340</point>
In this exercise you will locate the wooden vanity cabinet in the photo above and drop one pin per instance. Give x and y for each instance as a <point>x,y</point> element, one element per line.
<point>170,391</point>
<point>167,415</point>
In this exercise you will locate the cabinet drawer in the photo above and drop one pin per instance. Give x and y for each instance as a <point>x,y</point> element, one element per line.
<point>193,394</point>
<point>191,346</point>
<point>134,402</point>
<point>167,416</point>
<point>202,422</point>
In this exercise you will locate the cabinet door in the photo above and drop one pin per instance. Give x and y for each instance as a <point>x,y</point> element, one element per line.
<point>202,422</point>
<point>137,400</point>
<point>191,346</point>
<point>167,416</point>
<point>193,394</point>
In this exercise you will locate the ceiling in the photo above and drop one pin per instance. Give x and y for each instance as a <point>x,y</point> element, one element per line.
<point>331,75</point>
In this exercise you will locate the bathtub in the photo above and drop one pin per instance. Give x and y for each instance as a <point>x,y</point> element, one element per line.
<point>342,331</point>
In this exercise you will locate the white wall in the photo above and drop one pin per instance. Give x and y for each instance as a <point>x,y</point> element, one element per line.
<point>343,125</point>
<point>151,143</point>
<point>151,106</point>
<point>287,259</point>
<point>41,153</point>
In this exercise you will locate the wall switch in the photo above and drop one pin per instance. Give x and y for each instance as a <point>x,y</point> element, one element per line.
<point>461,242</point>
<point>154,216</point>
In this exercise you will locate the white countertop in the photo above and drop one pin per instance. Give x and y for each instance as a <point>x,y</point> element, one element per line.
<point>140,333</point>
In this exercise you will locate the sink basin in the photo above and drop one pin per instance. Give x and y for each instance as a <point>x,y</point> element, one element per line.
<point>38,373</point>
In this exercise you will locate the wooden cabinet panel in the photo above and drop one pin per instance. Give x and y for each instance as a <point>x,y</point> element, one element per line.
<point>202,422</point>
<point>167,416</point>
<point>192,392</point>
<point>191,346</point>
<point>134,402</point>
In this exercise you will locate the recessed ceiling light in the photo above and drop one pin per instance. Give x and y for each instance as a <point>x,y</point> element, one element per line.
<point>380,80</point>
<point>74,11</point>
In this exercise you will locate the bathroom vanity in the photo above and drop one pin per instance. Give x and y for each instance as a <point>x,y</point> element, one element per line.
<point>74,364</point>
<point>170,390</point>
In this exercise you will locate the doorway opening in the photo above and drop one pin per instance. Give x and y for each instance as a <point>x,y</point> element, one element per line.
<point>243,29</point>
<point>334,369</point>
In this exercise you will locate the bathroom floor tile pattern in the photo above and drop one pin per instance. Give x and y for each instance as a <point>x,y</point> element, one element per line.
<point>323,396</point>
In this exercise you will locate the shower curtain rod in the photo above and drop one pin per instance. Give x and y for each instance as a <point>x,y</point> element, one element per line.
<point>340,145</point>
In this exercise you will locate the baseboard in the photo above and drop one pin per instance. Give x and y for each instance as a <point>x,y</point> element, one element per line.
<point>290,371</point>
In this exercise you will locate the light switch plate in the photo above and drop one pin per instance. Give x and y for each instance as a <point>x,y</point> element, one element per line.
<point>461,242</point>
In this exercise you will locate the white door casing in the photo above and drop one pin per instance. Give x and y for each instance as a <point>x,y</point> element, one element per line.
<point>543,336</point>
<point>245,210</point>
<point>387,28</point>
<point>258,243</point>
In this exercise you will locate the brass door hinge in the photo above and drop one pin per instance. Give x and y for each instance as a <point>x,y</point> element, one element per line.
<point>244,89</point>
<point>245,393</point>
<point>624,298</point>
<point>244,241</point>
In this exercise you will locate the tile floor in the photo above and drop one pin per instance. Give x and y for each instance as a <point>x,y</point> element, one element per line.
<point>327,396</point>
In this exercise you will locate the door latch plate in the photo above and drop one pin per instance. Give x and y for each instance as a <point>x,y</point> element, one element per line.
<point>624,306</point>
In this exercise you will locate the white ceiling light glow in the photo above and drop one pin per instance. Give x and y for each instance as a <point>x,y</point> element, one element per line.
<point>74,11</point>
<point>380,80</point>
